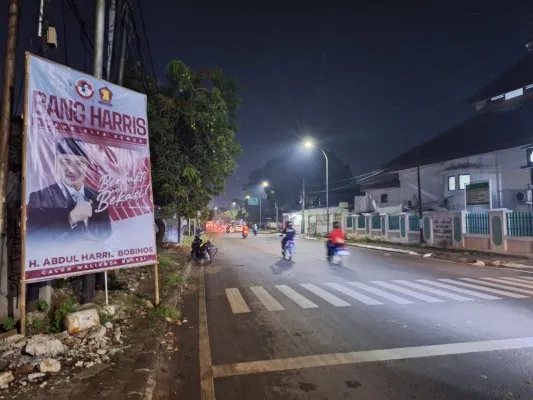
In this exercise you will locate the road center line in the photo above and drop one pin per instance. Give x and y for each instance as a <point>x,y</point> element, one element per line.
<point>207,385</point>
<point>358,357</point>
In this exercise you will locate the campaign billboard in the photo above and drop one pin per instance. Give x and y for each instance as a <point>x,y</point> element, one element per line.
<point>87,192</point>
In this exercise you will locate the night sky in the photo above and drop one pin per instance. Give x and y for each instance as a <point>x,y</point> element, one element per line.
<point>369,81</point>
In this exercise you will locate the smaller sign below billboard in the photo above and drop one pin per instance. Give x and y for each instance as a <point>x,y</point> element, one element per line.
<point>477,194</point>
<point>253,201</point>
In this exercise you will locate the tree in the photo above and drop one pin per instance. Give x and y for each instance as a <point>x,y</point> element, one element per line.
<point>192,122</point>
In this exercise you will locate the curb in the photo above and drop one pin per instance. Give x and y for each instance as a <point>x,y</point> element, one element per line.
<point>171,301</point>
<point>475,262</point>
<point>389,249</point>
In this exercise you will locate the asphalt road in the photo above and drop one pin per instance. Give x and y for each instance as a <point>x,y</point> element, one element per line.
<point>384,326</point>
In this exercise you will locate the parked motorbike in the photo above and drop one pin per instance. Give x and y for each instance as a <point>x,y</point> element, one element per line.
<point>203,250</point>
<point>288,250</point>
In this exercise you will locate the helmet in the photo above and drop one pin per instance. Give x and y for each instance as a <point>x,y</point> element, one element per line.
<point>289,224</point>
<point>336,225</point>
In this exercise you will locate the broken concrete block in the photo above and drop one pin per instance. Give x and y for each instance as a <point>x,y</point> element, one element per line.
<point>82,320</point>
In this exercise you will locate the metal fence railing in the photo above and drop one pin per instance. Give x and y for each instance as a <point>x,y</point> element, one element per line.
<point>477,224</point>
<point>520,224</point>
<point>394,222</point>
<point>376,222</point>
<point>361,222</point>
<point>414,223</point>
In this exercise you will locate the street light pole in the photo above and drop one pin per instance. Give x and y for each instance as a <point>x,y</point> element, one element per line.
<point>327,188</point>
<point>303,206</point>
<point>310,144</point>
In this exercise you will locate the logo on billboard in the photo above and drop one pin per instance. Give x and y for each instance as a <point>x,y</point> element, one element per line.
<point>106,95</point>
<point>84,88</point>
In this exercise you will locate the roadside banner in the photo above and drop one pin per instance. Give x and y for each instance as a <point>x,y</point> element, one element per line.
<point>87,192</point>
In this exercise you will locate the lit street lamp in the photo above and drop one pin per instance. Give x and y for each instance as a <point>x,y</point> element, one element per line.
<point>310,145</point>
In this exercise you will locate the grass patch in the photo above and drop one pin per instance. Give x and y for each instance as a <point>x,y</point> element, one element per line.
<point>167,312</point>
<point>174,279</point>
<point>65,306</point>
<point>8,323</point>
<point>187,240</point>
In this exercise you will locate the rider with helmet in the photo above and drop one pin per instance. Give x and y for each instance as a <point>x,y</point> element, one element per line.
<point>288,234</point>
<point>336,239</point>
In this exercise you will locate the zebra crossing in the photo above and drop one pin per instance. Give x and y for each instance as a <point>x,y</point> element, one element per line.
<point>377,293</point>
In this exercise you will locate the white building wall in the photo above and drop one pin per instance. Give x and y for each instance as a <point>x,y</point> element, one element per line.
<point>502,168</point>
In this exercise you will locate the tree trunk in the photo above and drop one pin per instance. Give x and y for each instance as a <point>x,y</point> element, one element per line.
<point>161,231</point>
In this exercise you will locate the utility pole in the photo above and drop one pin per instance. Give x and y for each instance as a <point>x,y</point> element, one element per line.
<point>111,25</point>
<point>43,291</point>
<point>5,121</point>
<point>90,280</point>
<point>42,31</point>
<point>98,61</point>
<point>123,43</point>
<point>303,206</point>
<point>421,222</point>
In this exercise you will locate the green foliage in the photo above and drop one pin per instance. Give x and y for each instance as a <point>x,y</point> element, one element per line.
<point>58,314</point>
<point>8,324</point>
<point>166,312</point>
<point>192,121</point>
<point>42,306</point>
<point>105,318</point>
<point>174,279</point>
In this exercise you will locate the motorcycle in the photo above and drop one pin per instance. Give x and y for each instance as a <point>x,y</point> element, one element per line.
<point>338,256</point>
<point>255,232</point>
<point>203,250</point>
<point>244,235</point>
<point>288,250</point>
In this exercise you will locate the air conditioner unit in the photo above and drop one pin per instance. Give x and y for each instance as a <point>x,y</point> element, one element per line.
<point>412,203</point>
<point>521,196</point>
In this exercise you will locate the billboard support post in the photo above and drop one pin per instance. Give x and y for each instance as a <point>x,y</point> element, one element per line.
<point>156,284</point>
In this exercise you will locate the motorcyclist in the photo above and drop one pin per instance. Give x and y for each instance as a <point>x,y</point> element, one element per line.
<point>195,246</point>
<point>288,234</point>
<point>245,230</point>
<point>335,239</point>
<point>254,228</point>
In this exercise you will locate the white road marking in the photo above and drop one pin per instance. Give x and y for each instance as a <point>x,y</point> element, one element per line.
<point>358,357</point>
<point>526,277</point>
<point>296,297</point>
<point>408,292</point>
<point>513,282</point>
<point>495,291</point>
<point>236,301</point>
<point>433,290</point>
<point>353,294</point>
<point>520,280</point>
<point>460,290</point>
<point>207,384</point>
<point>507,287</point>
<point>270,303</point>
<point>382,293</point>
<point>330,298</point>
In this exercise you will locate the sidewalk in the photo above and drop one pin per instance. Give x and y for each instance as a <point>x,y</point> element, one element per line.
<point>130,372</point>
<point>460,256</point>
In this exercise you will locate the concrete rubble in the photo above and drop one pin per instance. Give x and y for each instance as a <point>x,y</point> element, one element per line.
<point>31,361</point>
